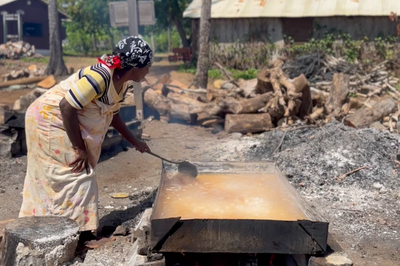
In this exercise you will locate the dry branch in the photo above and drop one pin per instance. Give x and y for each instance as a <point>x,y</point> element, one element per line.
<point>341,177</point>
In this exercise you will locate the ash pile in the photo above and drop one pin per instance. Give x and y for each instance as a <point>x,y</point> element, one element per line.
<point>351,176</point>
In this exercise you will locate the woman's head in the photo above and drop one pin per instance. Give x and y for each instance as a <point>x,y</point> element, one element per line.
<point>132,57</point>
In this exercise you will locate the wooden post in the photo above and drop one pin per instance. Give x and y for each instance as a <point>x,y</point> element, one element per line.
<point>169,39</point>
<point>133,18</point>
<point>138,95</point>
<point>152,42</point>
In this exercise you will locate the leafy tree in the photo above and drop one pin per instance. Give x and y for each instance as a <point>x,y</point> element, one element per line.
<point>90,23</point>
<point>168,13</point>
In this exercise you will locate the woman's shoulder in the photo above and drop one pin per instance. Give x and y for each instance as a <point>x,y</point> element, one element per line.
<point>100,72</point>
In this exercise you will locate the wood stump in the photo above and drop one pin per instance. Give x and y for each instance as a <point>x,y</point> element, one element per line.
<point>365,116</point>
<point>338,94</point>
<point>248,123</point>
<point>47,240</point>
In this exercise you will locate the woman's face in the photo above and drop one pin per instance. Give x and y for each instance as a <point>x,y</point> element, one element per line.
<point>137,74</point>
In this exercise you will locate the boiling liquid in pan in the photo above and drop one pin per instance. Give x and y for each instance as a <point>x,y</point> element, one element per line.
<point>227,196</point>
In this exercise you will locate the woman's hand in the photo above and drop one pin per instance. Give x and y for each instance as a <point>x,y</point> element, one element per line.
<point>141,146</point>
<point>81,161</point>
<point>120,126</point>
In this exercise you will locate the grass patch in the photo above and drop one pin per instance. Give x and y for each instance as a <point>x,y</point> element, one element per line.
<point>244,74</point>
<point>43,60</point>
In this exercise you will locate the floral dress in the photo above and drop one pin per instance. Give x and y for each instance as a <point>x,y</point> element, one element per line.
<point>50,188</point>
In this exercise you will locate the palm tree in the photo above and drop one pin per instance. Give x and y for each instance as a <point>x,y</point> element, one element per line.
<point>56,62</point>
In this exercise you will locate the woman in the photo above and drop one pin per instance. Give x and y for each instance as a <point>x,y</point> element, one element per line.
<point>65,130</point>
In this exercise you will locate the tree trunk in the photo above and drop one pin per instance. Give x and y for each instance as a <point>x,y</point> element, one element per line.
<point>181,32</point>
<point>201,78</point>
<point>246,123</point>
<point>366,116</point>
<point>169,39</point>
<point>56,65</point>
<point>194,39</point>
<point>176,18</point>
<point>94,42</point>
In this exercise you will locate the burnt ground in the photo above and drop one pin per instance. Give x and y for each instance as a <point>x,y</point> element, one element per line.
<point>362,209</point>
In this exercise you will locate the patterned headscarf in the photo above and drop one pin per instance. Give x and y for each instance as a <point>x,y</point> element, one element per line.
<point>131,52</point>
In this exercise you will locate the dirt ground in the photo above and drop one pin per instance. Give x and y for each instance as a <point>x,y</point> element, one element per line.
<point>362,210</point>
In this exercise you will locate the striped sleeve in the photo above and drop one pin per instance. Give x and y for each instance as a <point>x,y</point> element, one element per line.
<point>91,84</point>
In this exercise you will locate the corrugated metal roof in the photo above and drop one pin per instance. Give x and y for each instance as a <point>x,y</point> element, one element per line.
<point>294,8</point>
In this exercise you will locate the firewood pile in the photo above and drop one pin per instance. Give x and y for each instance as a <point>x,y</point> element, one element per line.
<point>320,68</point>
<point>284,97</point>
<point>16,50</point>
<point>31,71</point>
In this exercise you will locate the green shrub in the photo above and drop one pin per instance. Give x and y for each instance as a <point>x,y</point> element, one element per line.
<point>244,74</point>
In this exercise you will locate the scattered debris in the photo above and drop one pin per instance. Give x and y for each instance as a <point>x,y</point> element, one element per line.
<point>97,243</point>
<point>121,231</point>
<point>341,177</point>
<point>119,195</point>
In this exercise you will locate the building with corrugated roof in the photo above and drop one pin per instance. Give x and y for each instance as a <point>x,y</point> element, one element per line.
<point>271,20</point>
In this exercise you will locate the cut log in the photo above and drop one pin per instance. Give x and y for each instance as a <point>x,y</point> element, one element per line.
<point>166,89</point>
<point>200,96</point>
<point>248,123</point>
<point>213,94</point>
<point>338,94</point>
<point>194,106</point>
<point>365,116</point>
<point>317,113</point>
<point>263,82</point>
<point>319,96</point>
<point>158,102</point>
<point>46,240</point>
<point>302,85</point>
<point>47,83</point>
<point>182,112</point>
<point>164,79</point>
<point>246,106</point>
<point>212,122</point>
<point>179,107</point>
<point>22,81</point>
<point>248,88</point>
<point>353,103</point>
